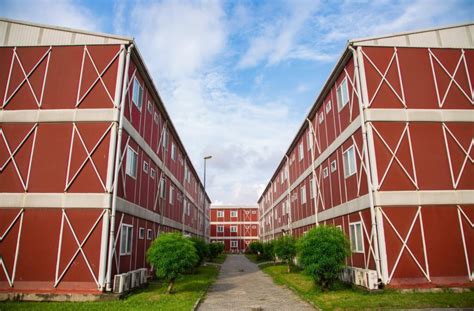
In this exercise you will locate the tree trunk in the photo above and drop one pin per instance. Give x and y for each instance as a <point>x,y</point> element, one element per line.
<point>288,266</point>
<point>170,286</point>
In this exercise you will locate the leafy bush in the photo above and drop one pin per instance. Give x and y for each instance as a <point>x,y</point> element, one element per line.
<point>255,247</point>
<point>268,252</point>
<point>322,253</point>
<point>215,249</point>
<point>285,249</point>
<point>202,249</point>
<point>172,254</point>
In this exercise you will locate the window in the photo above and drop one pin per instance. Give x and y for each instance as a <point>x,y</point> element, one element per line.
<point>233,228</point>
<point>311,193</point>
<point>171,195</point>
<point>156,118</point>
<point>153,173</point>
<point>349,162</point>
<point>325,172</point>
<point>141,233</point>
<point>303,194</point>
<point>126,239</point>
<point>355,232</point>
<point>162,188</point>
<point>220,228</point>
<point>339,227</point>
<point>149,234</point>
<point>321,117</point>
<point>165,138</point>
<point>328,107</point>
<point>149,106</point>
<point>233,244</point>
<point>173,151</point>
<point>145,167</point>
<point>342,94</point>
<point>274,187</point>
<point>137,94</point>
<point>220,214</point>
<point>131,165</point>
<point>254,212</point>
<point>233,214</point>
<point>300,152</point>
<point>310,140</point>
<point>333,166</point>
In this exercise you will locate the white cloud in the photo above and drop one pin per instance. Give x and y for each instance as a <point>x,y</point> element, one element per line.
<point>66,13</point>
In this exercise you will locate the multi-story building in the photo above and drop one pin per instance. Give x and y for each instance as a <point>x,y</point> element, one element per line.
<point>386,155</point>
<point>92,168</point>
<point>234,225</point>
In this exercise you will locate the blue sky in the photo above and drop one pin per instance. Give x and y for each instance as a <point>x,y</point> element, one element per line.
<point>238,77</point>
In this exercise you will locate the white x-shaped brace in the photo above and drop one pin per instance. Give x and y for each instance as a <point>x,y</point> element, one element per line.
<point>383,76</point>
<point>406,131</point>
<point>79,244</point>
<point>75,131</point>
<point>467,155</point>
<point>425,271</point>
<point>316,177</point>
<point>369,239</point>
<point>462,59</point>
<point>462,214</point>
<point>117,236</point>
<point>26,76</point>
<point>354,92</point>
<point>11,156</point>
<point>99,76</point>
<point>11,279</point>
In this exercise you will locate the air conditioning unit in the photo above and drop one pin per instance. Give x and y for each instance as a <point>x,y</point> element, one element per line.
<point>143,274</point>
<point>366,278</point>
<point>135,274</point>
<point>122,283</point>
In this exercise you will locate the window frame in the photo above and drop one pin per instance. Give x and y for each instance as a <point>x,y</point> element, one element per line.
<point>145,167</point>
<point>233,229</point>
<point>333,166</point>
<point>321,117</point>
<point>358,248</point>
<point>325,172</point>
<point>149,106</point>
<point>140,95</point>
<point>129,240</point>
<point>232,213</point>
<point>171,198</point>
<point>163,188</point>
<point>152,173</point>
<point>156,118</point>
<point>149,234</point>
<point>220,214</point>
<point>339,98</point>
<point>303,194</point>
<point>141,233</point>
<point>127,170</point>
<point>300,152</point>
<point>173,151</point>
<point>348,173</point>
<point>220,229</point>
<point>234,244</point>
<point>328,107</point>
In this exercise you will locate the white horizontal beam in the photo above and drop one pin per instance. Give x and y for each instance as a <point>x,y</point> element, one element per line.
<point>54,200</point>
<point>59,115</point>
<point>234,222</point>
<point>419,115</point>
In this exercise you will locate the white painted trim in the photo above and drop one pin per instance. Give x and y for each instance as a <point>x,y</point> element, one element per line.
<point>425,197</point>
<point>55,200</point>
<point>234,222</point>
<point>59,115</point>
<point>419,115</point>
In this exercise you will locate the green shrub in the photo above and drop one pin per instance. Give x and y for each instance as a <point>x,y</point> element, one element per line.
<point>172,254</point>
<point>285,249</point>
<point>202,249</point>
<point>268,252</point>
<point>215,249</point>
<point>322,253</point>
<point>255,247</point>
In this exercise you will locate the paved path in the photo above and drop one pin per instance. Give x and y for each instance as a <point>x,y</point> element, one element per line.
<point>242,286</point>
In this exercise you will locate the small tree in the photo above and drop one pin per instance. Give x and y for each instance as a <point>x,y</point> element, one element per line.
<point>285,249</point>
<point>215,249</point>
<point>255,247</point>
<point>202,249</point>
<point>268,252</point>
<point>322,253</point>
<point>172,254</point>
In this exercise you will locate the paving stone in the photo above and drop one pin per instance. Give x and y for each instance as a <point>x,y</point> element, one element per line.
<point>242,286</point>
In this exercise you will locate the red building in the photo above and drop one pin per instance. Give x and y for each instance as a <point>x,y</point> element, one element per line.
<point>91,166</point>
<point>386,154</point>
<point>235,226</point>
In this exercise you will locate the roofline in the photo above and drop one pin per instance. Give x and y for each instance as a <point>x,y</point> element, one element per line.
<point>404,33</point>
<point>243,206</point>
<point>93,33</point>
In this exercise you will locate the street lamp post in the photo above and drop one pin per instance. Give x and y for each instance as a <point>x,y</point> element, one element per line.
<point>204,199</point>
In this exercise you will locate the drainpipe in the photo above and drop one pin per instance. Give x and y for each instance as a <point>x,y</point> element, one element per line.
<point>116,173</point>
<point>273,216</point>
<point>290,219</point>
<point>313,184</point>
<point>374,230</point>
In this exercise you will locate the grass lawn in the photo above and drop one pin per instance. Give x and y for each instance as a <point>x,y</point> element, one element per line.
<point>220,259</point>
<point>346,297</point>
<point>187,290</point>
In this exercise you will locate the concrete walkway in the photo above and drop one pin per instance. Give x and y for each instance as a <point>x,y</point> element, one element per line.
<point>242,286</point>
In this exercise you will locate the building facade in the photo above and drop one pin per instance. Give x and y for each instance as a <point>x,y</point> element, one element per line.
<point>235,226</point>
<point>91,166</point>
<point>386,155</point>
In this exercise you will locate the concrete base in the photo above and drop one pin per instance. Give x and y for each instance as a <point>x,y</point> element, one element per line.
<point>11,296</point>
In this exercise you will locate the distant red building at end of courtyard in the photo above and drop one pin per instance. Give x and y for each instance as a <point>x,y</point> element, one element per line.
<point>235,226</point>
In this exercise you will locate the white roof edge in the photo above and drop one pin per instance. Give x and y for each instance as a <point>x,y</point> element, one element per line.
<point>404,33</point>
<point>234,206</point>
<point>27,35</point>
